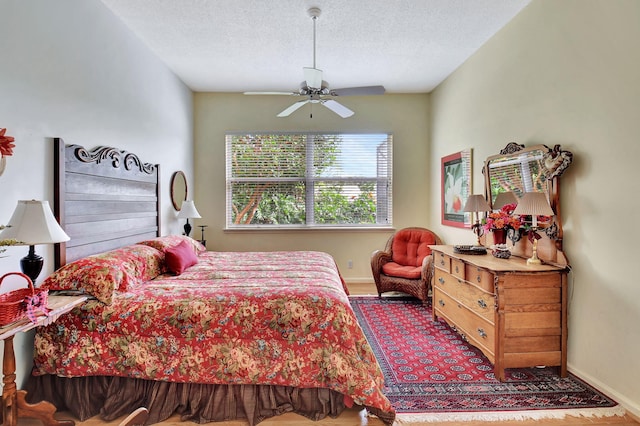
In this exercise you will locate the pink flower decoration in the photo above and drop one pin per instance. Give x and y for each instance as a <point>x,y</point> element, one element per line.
<point>6,145</point>
<point>503,219</point>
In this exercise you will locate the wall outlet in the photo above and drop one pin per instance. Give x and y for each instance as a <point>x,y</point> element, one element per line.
<point>350,264</point>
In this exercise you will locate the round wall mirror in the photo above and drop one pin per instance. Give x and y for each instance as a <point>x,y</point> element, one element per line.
<point>178,189</point>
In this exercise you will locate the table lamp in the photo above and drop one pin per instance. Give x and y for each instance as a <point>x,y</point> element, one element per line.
<point>33,223</point>
<point>504,198</point>
<point>188,211</point>
<point>476,203</point>
<point>534,204</point>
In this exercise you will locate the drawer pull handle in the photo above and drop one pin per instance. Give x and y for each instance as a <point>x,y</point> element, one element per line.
<point>482,333</point>
<point>441,302</point>
<point>441,280</point>
<point>457,269</point>
<point>482,303</point>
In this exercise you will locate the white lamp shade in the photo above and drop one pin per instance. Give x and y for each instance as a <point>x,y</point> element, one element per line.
<point>504,198</point>
<point>33,223</point>
<point>534,204</point>
<point>188,211</point>
<point>476,203</point>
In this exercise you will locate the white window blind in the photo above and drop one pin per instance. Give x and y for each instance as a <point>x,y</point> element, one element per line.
<point>308,179</point>
<point>520,174</point>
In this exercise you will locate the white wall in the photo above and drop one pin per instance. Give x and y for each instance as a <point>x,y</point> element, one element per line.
<point>70,69</point>
<point>567,72</point>
<point>403,115</point>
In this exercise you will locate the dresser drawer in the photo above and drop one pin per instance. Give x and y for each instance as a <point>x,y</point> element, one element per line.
<point>441,261</point>
<point>480,277</point>
<point>444,305</point>
<point>449,284</point>
<point>458,268</point>
<point>477,330</point>
<point>478,301</point>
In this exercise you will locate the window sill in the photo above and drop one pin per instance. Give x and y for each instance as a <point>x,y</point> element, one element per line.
<point>271,229</point>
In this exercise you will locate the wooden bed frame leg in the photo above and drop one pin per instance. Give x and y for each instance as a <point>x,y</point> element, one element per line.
<point>42,411</point>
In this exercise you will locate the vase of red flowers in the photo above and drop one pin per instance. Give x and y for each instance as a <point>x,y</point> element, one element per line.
<point>499,236</point>
<point>503,223</point>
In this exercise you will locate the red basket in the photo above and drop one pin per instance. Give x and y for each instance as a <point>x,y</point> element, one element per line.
<point>13,305</point>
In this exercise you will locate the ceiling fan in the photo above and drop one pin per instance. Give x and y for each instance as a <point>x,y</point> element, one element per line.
<point>315,90</point>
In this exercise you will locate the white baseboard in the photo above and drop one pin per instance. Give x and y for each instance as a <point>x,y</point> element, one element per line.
<point>355,280</point>
<point>632,407</point>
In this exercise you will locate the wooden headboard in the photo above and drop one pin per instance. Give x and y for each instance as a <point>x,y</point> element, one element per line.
<point>104,198</point>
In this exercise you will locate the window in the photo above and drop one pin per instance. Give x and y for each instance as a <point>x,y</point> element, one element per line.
<point>308,180</point>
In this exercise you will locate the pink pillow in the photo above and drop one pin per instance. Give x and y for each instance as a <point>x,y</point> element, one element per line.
<point>163,243</point>
<point>180,257</point>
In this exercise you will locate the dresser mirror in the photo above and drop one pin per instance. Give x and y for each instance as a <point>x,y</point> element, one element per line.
<point>178,189</point>
<point>537,168</point>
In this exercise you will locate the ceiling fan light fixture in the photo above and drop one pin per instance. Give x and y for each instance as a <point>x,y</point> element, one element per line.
<point>317,90</point>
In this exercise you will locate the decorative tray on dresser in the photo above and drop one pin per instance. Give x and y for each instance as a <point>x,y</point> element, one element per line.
<point>515,313</point>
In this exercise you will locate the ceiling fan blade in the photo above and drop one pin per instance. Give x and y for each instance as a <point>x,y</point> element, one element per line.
<point>313,77</point>
<point>293,108</point>
<point>272,93</point>
<point>338,108</point>
<point>359,91</point>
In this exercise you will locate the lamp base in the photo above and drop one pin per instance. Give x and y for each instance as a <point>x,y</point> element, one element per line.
<point>534,261</point>
<point>31,264</point>
<point>477,229</point>
<point>187,228</point>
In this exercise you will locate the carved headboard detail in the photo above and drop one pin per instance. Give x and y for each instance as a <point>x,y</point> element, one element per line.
<point>104,198</point>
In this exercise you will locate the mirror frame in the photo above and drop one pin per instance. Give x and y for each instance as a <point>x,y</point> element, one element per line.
<point>554,163</point>
<point>178,184</point>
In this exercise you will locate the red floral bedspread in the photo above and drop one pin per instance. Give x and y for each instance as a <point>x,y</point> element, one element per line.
<point>278,318</point>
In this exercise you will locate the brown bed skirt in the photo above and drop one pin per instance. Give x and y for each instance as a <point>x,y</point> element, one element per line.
<point>113,397</point>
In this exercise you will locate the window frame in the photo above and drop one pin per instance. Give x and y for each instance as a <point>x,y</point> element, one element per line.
<point>310,181</point>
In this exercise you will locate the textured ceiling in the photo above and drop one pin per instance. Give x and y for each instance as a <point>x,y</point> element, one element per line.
<point>409,46</point>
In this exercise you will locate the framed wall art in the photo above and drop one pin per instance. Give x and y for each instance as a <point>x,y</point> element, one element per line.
<point>456,187</point>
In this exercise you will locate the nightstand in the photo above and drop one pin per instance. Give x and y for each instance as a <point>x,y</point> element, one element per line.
<point>14,404</point>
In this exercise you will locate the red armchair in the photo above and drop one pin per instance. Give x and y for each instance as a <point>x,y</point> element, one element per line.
<point>405,263</point>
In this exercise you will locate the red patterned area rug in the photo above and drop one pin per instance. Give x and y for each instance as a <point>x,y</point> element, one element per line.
<point>431,371</point>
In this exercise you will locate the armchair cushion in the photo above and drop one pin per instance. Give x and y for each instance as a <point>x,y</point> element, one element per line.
<point>410,246</point>
<point>396,270</point>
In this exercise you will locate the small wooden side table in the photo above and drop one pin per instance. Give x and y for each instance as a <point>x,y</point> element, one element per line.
<point>14,404</point>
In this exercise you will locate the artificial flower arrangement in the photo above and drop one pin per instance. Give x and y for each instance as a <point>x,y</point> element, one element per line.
<point>503,219</point>
<point>6,144</point>
<point>6,242</point>
<point>6,148</point>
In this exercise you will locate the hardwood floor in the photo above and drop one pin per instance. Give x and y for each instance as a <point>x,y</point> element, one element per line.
<point>353,417</point>
<point>359,418</point>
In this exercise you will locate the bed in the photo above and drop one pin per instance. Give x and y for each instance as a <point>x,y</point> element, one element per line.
<point>212,336</point>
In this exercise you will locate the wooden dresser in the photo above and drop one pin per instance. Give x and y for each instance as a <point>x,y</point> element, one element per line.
<point>515,313</point>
